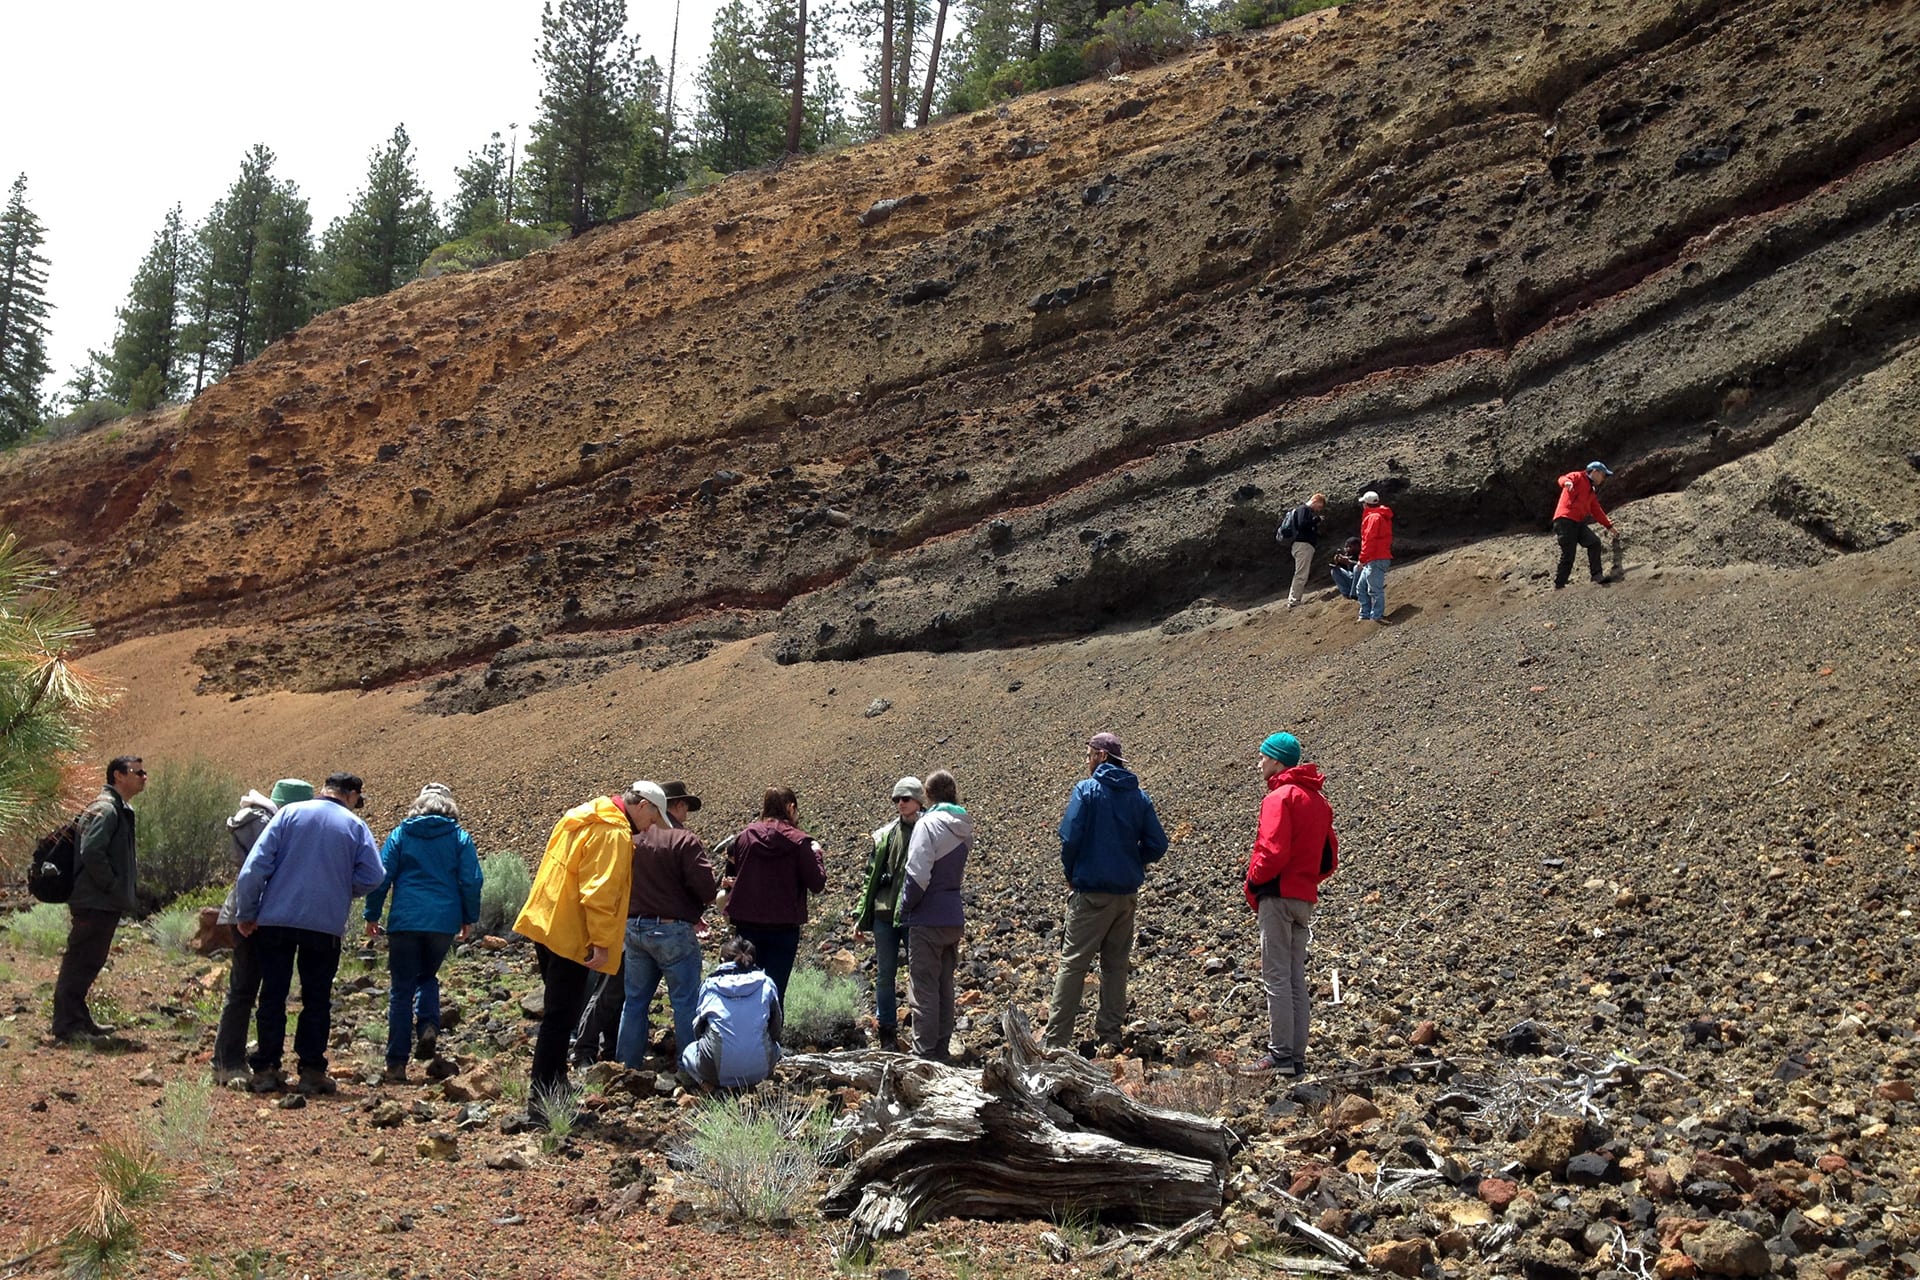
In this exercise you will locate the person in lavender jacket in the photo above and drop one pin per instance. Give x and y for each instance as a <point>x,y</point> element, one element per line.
<point>936,866</point>
<point>295,888</point>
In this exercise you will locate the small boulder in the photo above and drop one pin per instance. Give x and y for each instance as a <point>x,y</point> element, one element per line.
<point>1555,1140</point>
<point>1722,1249</point>
<point>1353,1110</point>
<point>1498,1192</point>
<point>438,1146</point>
<point>1401,1257</point>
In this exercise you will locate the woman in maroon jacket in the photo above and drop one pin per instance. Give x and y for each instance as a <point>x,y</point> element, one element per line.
<point>1294,851</point>
<point>772,866</point>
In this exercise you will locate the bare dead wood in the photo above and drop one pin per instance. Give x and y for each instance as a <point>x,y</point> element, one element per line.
<point>1032,1133</point>
<point>1332,1245</point>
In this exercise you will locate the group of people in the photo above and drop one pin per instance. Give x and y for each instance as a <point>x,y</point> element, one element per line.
<point>1359,568</point>
<point>616,908</point>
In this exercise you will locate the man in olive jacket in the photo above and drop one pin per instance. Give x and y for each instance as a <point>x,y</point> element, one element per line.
<point>104,876</point>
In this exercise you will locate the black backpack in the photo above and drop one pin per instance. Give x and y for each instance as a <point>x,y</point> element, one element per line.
<point>1287,531</point>
<point>50,877</point>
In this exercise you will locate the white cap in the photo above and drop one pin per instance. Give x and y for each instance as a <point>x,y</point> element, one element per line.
<point>1369,499</point>
<point>652,792</point>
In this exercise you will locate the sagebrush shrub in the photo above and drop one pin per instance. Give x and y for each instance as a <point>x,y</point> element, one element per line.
<point>174,929</point>
<point>504,887</point>
<point>182,828</point>
<point>41,929</point>
<point>758,1153</point>
<point>820,1009</point>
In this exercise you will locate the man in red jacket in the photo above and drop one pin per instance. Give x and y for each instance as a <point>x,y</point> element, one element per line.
<point>1376,553</point>
<point>1579,503</point>
<point>1294,851</point>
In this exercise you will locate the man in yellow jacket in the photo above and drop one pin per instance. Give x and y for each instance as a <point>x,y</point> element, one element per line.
<point>576,916</point>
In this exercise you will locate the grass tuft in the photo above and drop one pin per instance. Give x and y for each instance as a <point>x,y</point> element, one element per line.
<point>561,1107</point>
<point>179,1125</point>
<point>128,1180</point>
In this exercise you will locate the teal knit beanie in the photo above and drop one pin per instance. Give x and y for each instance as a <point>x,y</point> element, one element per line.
<point>1283,747</point>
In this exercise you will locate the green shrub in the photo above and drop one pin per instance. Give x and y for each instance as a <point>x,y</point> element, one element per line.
<point>820,1009</point>
<point>41,929</point>
<point>184,843</point>
<point>1245,15</point>
<point>1139,36</point>
<point>503,891</point>
<point>485,246</point>
<point>84,417</point>
<point>1057,66</point>
<point>174,928</point>
<point>207,895</point>
<point>758,1153</point>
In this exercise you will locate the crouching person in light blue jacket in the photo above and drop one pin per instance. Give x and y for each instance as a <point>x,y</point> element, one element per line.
<point>736,1025</point>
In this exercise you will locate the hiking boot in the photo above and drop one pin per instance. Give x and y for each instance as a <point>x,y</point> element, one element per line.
<point>1269,1064</point>
<point>424,1041</point>
<point>889,1039</point>
<point>224,1076</point>
<point>1603,582</point>
<point>315,1080</point>
<point>98,1030</point>
<point>394,1073</point>
<point>268,1080</point>
<point>81,1039</point>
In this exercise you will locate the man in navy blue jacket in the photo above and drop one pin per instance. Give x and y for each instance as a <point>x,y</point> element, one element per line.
<point>303,873</point>
<point>1108,836</point>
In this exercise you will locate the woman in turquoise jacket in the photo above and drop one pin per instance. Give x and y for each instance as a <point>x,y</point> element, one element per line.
<point>433,873</point>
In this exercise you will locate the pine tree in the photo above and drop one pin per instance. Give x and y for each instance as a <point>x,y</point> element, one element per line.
<point>149,332</point>
<point>580,137</point>
<point>23,316</point>
<point>232,234</point>
<point>480,198</point>
<point>743,104</point>
<point>197,337</point>
<point>651,166</point>
<point>379,243</point>
<point>282,284</point>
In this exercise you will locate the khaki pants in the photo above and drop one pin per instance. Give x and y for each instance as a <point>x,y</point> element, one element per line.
<point>1098,924</point>
<point>1285,925</point>
<point>1302,566</point>
<point>931,961</point>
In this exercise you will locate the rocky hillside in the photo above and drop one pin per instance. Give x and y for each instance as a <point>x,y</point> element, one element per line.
<point>1061,363</point>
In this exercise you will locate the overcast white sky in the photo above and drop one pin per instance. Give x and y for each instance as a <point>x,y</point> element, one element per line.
<point>118,109</point>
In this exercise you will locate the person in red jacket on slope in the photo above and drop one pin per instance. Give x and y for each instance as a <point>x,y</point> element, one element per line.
<point>1376,553</point>
<point>1295,850</point>
<point>1580,503</point>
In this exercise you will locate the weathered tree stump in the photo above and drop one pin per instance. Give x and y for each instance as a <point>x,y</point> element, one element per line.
<point>1035,1132</point>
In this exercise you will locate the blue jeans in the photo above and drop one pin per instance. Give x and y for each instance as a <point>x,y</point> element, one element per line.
<point>1373,589</point>
<point>1346,581</point>
<point>413,964</point>
<point>657,949</point>
<point>889,944</point>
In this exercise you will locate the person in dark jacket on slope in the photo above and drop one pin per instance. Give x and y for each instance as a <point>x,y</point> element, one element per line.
<point>1302,525</point>
<point>1293,851</point>
<point>433,874</point>
<point>106,873</point>
<point>1108,836</point>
